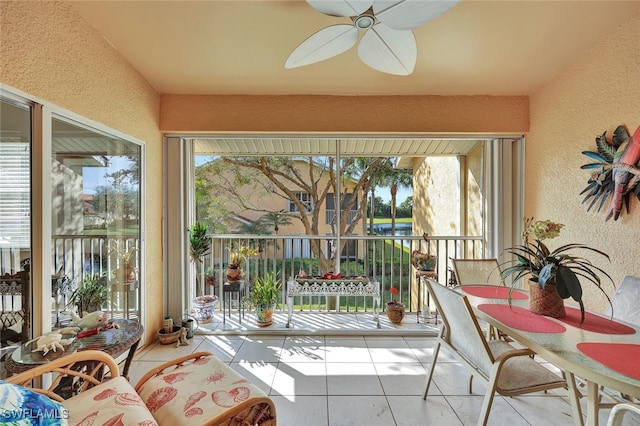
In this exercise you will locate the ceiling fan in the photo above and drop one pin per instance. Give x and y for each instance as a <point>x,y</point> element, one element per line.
<point>388,43</point>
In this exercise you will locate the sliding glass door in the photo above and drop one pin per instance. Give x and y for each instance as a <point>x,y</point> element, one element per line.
<point>15,221</point>
<point>95,221</point>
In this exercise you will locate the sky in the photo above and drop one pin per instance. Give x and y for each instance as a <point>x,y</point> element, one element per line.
<point>385,194</point>
<point>93,177</point>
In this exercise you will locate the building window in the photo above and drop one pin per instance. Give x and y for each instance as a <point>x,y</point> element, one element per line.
<point>305,198</point>
<point>346,200</point>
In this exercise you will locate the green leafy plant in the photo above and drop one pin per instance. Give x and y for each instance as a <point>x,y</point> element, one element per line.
<point>91,295</point>
<point>559,266</point>
<point>266,289</point>
<point>199,242</point>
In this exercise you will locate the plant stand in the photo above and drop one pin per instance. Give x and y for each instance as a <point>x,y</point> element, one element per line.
<point>228,288</point>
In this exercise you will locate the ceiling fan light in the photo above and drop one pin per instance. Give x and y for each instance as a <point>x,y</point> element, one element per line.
<point>364,22</point>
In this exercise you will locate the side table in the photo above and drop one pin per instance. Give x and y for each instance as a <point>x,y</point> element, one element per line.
<point>227,289</point>
<point>420,275</point>
<point>113,341</point>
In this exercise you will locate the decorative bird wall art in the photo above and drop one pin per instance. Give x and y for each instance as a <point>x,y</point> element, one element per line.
<point>616,172</point>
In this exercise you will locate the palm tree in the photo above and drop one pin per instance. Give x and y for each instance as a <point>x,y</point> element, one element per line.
<point>275,220</point>
<point>397,178</point>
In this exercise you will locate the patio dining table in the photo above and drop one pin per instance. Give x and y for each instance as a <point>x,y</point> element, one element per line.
<point>602,351</point>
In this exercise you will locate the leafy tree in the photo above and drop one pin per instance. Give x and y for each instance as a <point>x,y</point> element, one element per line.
<point>210,209</point>
<point>283,177</point>
<point>382,208</point>
<point>405,209</point>
<point>117,202</point>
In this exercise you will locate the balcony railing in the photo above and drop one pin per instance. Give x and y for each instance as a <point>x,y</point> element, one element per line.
<point>384,259</point>
<point>381,258</point>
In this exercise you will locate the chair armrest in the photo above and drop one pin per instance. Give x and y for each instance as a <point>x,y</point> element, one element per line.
<point>88,366</point>
<point>173,364</point>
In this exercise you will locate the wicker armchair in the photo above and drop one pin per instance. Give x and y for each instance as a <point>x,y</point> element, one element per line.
<point>194,389</point>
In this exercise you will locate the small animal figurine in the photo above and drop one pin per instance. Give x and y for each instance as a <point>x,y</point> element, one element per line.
<point>50,342</point>
<point>182,339</point>
<point>89,320</point>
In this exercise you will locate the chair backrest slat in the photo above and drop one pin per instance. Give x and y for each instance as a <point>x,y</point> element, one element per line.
<point>463,332</point>
<point>626,301</point>
<point>477,271</point>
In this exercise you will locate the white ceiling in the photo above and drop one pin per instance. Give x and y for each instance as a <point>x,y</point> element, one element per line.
<point>499,47</point>
<point>349,147</point>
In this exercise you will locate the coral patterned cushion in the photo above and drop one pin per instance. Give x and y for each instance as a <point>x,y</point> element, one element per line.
<point>193,393</point>
<point>114,402</point>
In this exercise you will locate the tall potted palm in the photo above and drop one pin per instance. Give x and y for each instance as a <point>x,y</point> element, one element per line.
<point>199,247</point>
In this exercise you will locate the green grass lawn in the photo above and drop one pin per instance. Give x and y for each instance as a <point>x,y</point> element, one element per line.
<point>388,220</point>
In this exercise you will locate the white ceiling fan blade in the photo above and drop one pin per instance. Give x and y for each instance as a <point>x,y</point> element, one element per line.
<point>389,50</point>
<point>340,7</point>
<point>407,14</point>
<point>325,44</point>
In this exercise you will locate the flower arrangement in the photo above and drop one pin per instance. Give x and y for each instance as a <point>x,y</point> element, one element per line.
<point>559,266</point>
<point>238,255</point>
<point>394,292</point>
<point>395,309</point>
<point>423,261</point>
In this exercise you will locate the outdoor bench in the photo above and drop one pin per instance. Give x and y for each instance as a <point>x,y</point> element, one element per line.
<point>333,287</point>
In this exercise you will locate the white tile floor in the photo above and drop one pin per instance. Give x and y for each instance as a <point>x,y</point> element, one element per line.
<point>359,379</point>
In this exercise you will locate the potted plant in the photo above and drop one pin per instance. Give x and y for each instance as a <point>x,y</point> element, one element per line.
<point>210,276</point>
<point>264,296</point>
<point>91,295</point>
<point>199,247</point>
<point>552,273</point>
<point>395,309</point>
<point>237,256</point>
<point>423,261</point>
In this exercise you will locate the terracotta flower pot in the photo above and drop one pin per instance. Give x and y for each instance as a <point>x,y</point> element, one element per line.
<point>395,312</point>
<point>234,274</point>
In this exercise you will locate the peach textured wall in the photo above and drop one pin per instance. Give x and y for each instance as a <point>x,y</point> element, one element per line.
<point>597,93</point>
<point>48,51</point>
<point>452,114</point>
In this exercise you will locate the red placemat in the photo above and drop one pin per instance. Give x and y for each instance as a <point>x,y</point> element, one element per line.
<point>620,357</point>
<point>522,319</point>
<point>492,292</point>
<point>594,322</point>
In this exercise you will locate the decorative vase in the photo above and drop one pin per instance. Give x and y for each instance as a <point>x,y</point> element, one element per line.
<point>203,308</point>
<point>126,274</point>
<point>234,274</point>
<point>395,312</point>
<point>546,301</point>
<point>264,314</point>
